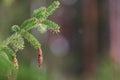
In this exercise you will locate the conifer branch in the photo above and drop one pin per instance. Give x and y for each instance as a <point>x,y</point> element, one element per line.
<point>16,41</point>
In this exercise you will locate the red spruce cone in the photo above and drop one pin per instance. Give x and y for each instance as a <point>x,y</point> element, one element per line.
<point>40,57</point>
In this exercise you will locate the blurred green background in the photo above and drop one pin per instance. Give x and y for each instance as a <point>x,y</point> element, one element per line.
<point>86,49</point>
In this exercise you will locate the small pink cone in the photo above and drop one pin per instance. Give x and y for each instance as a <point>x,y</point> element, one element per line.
<point>40,57</point>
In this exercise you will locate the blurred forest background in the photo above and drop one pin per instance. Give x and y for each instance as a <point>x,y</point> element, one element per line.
<point>88,47</point>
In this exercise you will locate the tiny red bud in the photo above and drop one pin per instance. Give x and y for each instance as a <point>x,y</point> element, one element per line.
<point>40,57</point>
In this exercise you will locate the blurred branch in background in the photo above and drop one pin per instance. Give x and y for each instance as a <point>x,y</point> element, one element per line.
<point>114,30</point>
<point>7,3</point>
<point>90,38</point>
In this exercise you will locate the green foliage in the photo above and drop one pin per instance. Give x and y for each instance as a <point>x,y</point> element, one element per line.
<point>8,50</point>
<point>15,42</point>
<point>29,24</point>
<point>51,25</point>
<point>52,7</point>
<point>18,43</point>
<point>40,13</point>
<point>5,63</point>
<point>9,40</point>
<point>32,39</point>
<point>45,12</point>
<point>15,28</point>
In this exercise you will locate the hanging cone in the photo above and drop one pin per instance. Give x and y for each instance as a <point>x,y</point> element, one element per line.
<point>40,57</point>
<point>15,62</point>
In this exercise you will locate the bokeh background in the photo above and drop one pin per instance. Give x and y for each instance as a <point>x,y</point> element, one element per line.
<point>87,48</point>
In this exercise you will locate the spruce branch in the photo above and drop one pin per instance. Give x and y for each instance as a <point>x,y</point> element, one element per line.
<point>16,41</point>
